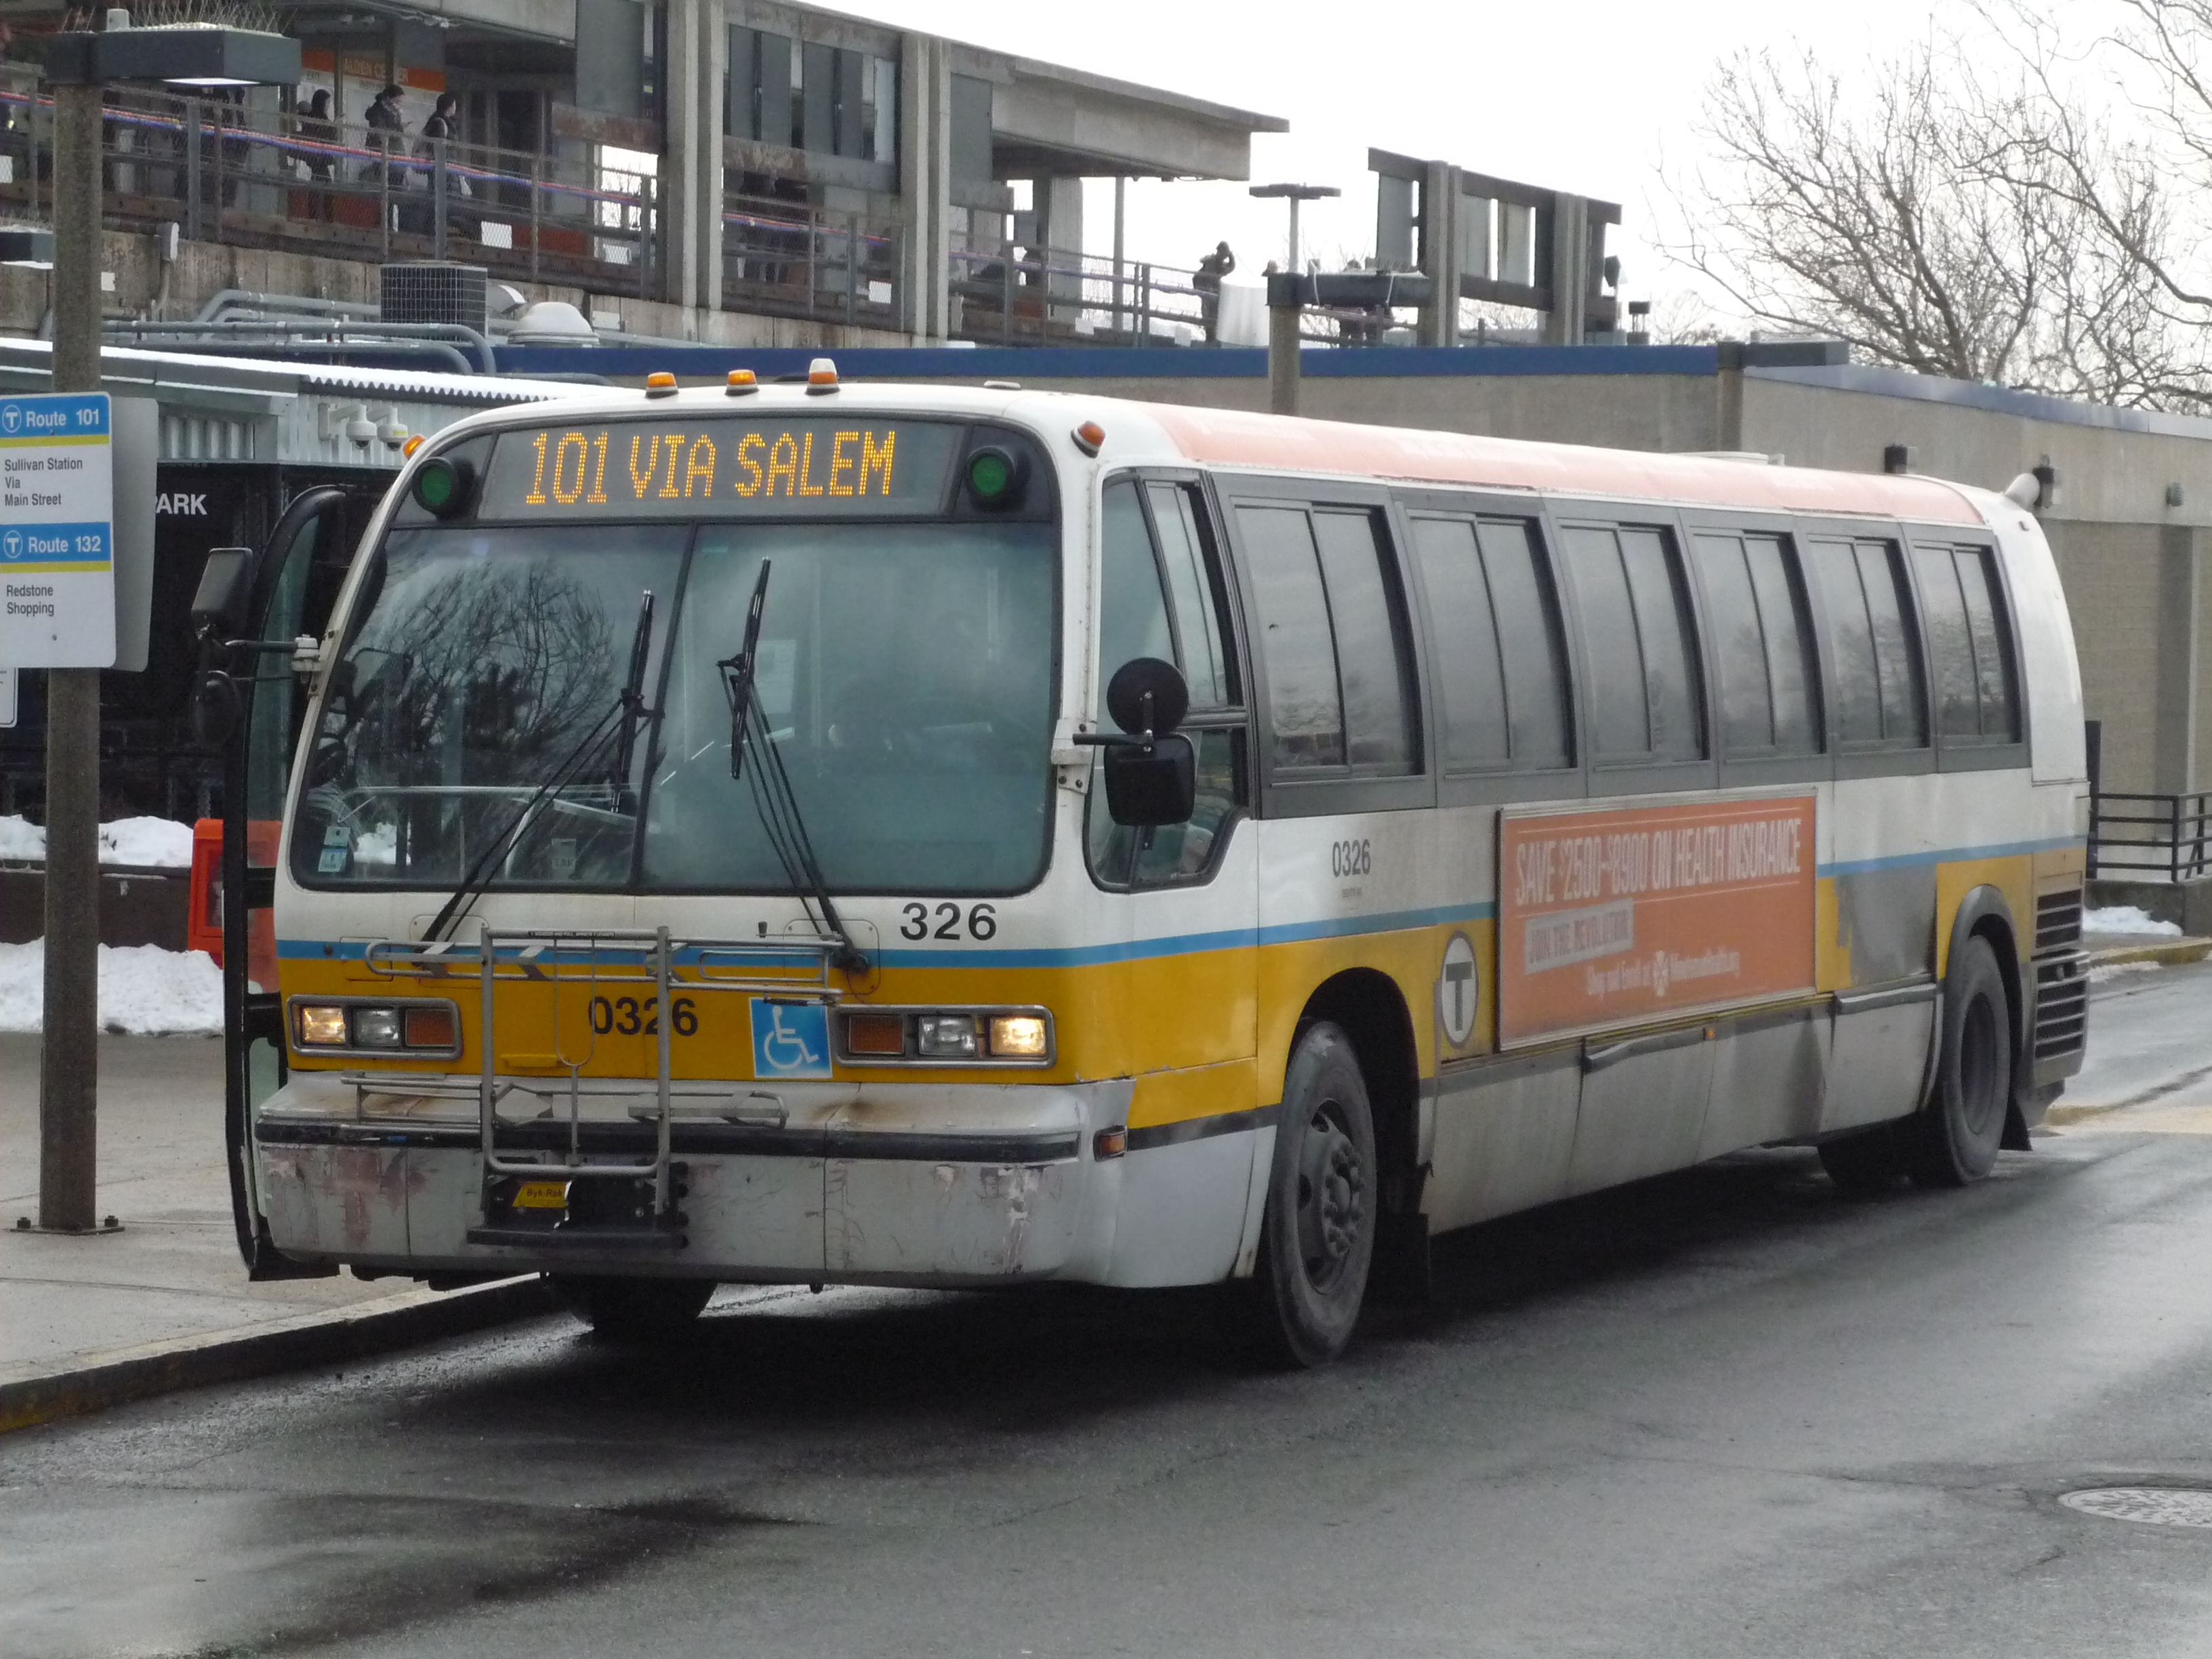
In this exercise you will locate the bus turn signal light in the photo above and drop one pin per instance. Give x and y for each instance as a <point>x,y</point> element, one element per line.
<point>875,1033</point>
<point>431,1027</point>
<point>1110,1143</point>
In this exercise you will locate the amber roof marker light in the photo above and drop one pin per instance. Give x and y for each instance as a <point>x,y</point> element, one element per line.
<point>820,376</point>
<point>661,384</point>
<point>743,383</point>
<point>1089,437</point>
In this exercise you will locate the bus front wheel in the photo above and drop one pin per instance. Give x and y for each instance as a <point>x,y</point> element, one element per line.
<point>635,1311</point>
<point>1317,1236</point>
<point>1955,1140</point>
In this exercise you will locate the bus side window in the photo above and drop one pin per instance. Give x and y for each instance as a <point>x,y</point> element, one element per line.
<point>1503,680</point>
<point>1638,639</point>
<point>1762,645</point>
<point>1881,701</point>
<point>1333,636</point>
<point>1176,520</point>
<point>1974,676</point>
<point>1135,620</point>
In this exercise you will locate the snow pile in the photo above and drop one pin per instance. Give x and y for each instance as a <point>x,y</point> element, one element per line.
<point>143,843</point>
<point>2127,918</point>
<point>157,843</point>
<point>20,838</point>
<point>145,991</point>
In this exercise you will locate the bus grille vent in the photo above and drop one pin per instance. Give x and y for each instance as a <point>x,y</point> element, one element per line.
<point>2062,977</point>
<point>2058,922</point>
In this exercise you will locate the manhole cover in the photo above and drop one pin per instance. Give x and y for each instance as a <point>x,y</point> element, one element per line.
<point>2156,1506</point>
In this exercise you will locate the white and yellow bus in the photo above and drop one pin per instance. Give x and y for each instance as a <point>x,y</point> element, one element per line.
<point>960,837</point>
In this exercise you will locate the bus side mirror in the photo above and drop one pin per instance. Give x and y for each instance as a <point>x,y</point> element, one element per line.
<point>218,607</point>
<point>1152,773</point>
<point>1149,787</point>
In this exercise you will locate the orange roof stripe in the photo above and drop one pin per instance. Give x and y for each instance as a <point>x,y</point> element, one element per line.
<point>1239,438</point>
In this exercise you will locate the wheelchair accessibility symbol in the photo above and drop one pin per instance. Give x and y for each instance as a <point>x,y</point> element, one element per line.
<point>790,1039</point>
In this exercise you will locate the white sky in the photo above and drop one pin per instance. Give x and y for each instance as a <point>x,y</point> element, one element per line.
<point>1588,97</point>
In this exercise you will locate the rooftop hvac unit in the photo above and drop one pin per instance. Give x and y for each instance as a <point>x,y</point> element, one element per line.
<point>436,292</point>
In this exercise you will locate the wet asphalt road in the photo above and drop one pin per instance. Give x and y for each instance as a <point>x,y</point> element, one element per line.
<point>1723,1413</point>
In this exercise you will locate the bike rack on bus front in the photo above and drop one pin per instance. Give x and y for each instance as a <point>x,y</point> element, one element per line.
<point>719,966</point>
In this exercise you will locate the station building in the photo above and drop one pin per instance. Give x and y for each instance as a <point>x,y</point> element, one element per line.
<point>738,172</point>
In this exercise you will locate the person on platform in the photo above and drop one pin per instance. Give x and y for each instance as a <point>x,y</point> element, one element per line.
<point>1207,281</point>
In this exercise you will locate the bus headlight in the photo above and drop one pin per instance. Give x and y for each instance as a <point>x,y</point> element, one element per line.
<point>1019,1036</point>
<point>422,1027</point>
<point>876,1036</point>
<point>947,1037</point>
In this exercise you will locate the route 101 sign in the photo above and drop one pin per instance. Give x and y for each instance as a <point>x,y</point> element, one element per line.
<point>56,531</point>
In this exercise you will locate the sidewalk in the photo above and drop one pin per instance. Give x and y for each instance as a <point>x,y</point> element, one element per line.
<point>168,1293</point>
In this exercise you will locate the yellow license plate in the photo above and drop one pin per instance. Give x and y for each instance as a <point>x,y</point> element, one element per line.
<point>541,1195</point>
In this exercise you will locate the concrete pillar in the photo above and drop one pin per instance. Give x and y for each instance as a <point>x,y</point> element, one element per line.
<point>2180,586</point>
<point>1440,253</point>
<point>1569,274</point>
<point>925,188</point>
<point>691,187</point>
<point>1060,228</point>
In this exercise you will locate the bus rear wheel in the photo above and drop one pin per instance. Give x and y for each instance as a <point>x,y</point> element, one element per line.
<point>1317,1235</point>
<point>1955,1140</point>
<point>635,1311</point>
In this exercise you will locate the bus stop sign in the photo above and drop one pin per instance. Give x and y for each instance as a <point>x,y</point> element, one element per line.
<point>56,531</point>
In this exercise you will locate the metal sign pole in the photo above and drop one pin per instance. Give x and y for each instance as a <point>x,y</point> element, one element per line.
<point>68,1072</point>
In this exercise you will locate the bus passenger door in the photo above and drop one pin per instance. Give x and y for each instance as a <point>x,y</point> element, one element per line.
<point>1189,982</point>
<point>284,591</point>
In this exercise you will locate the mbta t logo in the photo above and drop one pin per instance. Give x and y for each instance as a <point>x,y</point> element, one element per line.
<point>12,419</point>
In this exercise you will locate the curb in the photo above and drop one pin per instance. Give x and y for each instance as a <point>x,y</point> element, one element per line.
<point>2171,952</point>
<point>34,1396</point>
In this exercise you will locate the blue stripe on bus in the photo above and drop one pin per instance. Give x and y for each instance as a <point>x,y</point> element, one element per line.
<point>1228,938</point>
<point>1946,855</point>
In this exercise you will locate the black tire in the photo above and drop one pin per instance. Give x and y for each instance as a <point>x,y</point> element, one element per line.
<point>1317,1234</point>
<point>1955,1140</point>
<point>1864,1164</point>
<point>635,1311</point>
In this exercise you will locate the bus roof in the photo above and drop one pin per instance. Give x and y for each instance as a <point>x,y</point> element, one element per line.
<point>1239,438</point>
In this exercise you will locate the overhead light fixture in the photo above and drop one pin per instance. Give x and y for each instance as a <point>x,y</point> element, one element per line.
<point>200,56</point>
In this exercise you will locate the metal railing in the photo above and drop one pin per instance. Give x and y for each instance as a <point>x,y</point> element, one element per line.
<point>788,259</point>
<point>2150,837</point>
<point>222,171</point>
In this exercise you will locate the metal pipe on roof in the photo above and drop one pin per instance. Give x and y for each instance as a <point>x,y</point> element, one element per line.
<point>366,331</point>
<point>448,354</point>
<point>225,300</point>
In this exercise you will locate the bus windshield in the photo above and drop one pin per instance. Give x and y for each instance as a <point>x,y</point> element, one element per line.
<point>905,671</point>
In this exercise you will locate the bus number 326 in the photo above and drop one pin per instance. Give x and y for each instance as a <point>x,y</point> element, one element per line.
<point>632,1017</point>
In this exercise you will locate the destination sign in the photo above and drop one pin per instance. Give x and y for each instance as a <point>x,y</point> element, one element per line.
<point>727,468</point>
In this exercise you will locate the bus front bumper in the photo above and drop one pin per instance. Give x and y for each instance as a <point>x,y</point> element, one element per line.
<point>910,1183</point>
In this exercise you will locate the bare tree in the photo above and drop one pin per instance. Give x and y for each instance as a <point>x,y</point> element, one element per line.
<point>1941,224</point>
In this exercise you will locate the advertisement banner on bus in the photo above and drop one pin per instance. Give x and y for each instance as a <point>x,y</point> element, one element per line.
<point>1621,916</point>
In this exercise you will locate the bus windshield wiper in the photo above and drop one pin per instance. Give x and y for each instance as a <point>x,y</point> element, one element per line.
<point>619,724</point>
<point>774,803</point>
<point>633,693</point>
